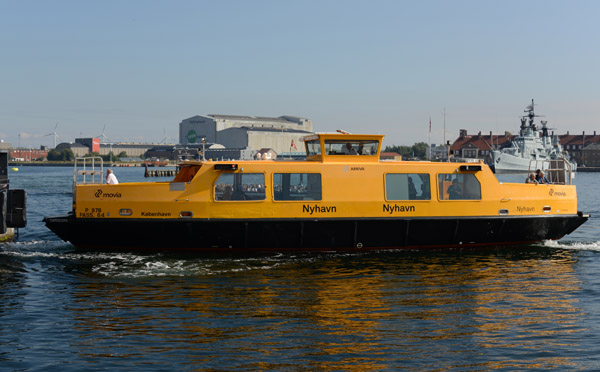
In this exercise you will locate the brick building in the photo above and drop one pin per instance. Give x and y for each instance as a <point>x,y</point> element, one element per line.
<point>478,146</point>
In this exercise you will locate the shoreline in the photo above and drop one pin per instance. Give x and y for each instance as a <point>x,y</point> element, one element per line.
<point>71,164</point>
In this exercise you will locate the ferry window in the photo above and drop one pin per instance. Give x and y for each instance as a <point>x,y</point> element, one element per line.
<point>297,186</point>
<point>337,147</point>
<point>240,186</point>
<point>463,186</point>
<point>313,148</point>
<point>407,186</point>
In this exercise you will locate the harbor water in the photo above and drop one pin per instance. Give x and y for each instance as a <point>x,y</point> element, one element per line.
<point>526,308</point>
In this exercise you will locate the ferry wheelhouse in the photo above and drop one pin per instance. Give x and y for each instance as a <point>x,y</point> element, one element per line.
<point>342,197</point>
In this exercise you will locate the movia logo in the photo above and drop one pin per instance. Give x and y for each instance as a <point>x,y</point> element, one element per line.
<point>557,193</point>
<point>192,136</point>
<point>100,194</point>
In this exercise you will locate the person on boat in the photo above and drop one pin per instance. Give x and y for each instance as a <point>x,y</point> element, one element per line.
<point>111,179</point>
<point>238,194</point>
<point>226,193</point>
<point>531,179</point>
<point>540,178</point>
<point>349,150</point>
<point>412,190</point>
<point>425,191</point>
<point>454,191</point>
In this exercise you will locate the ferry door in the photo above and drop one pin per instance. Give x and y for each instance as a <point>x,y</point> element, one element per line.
<point>444,183</point>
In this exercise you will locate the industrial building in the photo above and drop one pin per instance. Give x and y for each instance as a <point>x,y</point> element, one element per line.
<point>282,134</point>
<point>84,146</point>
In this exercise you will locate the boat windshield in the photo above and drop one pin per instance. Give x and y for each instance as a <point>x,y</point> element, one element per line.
<point>313,147</point>
<point>356,147</point>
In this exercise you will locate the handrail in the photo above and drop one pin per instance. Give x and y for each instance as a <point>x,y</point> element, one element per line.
<point>559,171</point>
<point>89,168</point>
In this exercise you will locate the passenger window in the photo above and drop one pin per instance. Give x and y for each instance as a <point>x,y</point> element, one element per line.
<point>240,186</point>
<point>407,186</point>
<point>454,186</point>
<point>297,186</point>
<point>358,147</point>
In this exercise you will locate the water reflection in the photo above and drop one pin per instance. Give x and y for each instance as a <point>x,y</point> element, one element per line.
<point>529,308</point>
<point>492,310</point>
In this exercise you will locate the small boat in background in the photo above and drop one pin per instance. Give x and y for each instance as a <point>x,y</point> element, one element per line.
<point>156,163</point>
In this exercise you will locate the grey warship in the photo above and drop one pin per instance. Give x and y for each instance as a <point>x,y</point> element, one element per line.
<point>530,150</point>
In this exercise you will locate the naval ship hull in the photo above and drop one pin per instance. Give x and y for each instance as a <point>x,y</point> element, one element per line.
<point>506,163</point>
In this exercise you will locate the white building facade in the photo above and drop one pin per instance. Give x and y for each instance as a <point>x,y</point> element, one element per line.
<point>252,132</point>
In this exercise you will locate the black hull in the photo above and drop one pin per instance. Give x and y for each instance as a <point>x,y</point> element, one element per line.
<point>310,234</point>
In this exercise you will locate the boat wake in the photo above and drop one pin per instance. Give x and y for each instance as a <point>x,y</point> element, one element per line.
<point>140,265</point>
<point>135,265</point>
<point>129,265</point>
<point>572,245</point>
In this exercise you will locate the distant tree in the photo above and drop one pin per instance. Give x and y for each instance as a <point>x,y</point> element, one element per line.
<point>54,155</point>
<point>405,151</point>
<point>61,155</point>
<point>68,155</point>
<point>110,157</point>
<point>418,150</point>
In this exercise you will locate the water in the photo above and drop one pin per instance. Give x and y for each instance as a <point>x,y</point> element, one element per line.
<point>526,308</point>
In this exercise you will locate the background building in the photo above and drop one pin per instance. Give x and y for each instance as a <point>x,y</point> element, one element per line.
<point>479,146</point>
<point>78,149</point>
<point>22,154</point>
<point>92,143</point>
<point>84,146</point>
<point>281,134</point>
<point>439,152</point>
<point>590,156</point>
<point>574,144</point>
<point>134,150</point>
<point>390,156</point>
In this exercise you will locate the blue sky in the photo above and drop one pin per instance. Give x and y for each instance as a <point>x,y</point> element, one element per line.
<point>140,67</point>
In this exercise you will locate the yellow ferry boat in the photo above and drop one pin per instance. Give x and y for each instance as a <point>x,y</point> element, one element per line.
<point>342,197</point>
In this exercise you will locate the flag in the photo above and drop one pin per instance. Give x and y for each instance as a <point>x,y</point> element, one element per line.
<point>293,145</point>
